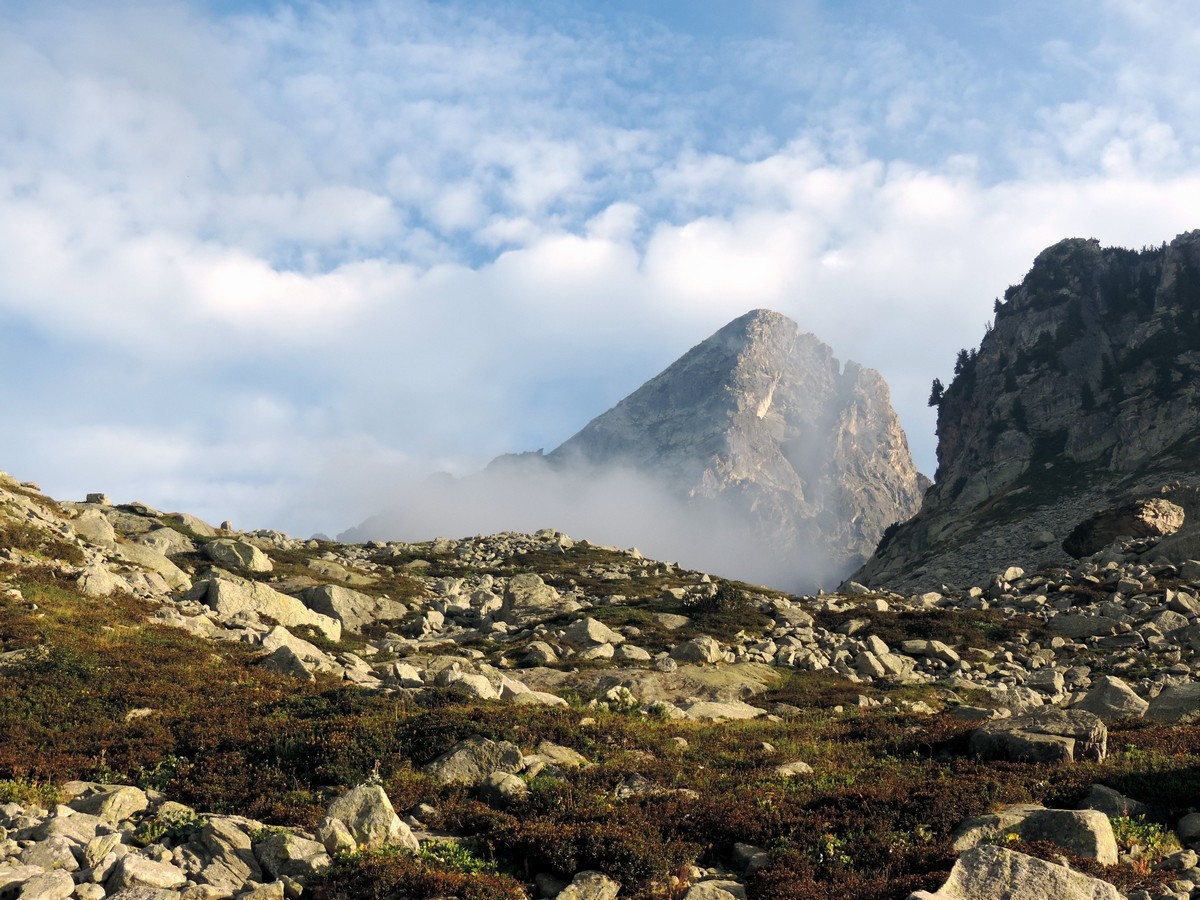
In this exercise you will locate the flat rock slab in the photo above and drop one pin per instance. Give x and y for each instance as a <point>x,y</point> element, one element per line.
<point>710,710</point>
<point>1046,736</point>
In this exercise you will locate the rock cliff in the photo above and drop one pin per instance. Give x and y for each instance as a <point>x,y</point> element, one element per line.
<point>1084,394</point>
<point>761,421</point>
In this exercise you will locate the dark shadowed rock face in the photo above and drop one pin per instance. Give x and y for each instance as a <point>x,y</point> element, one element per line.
<point>763,421</point>
<point>1084,395</point>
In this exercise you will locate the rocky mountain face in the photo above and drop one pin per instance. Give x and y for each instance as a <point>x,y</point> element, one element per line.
<point>1084,395</point>
<point>762,422</point>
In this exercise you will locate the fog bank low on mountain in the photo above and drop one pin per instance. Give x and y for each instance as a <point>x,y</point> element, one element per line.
<point>604,505</point>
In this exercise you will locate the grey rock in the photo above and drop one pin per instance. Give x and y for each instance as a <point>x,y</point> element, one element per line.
<point>236,554</point>
<point>1151,517</point>
<point>1048,735</point>
<point>1178,703</point>
<point>285,661</point>
<point>1188,828</point>
<point>712,710</point>
<point>716,889</point>
<point>1112,699</point>
<point>352,608</point>
<point>502,789</point>
<point>590,886</point>
<point>134,870</point>
<point>1112,803</point>
<point>993,873</point>
<point>700,649</point>
<point>155,562</point>
<point>166,541</point>
<point>472,760</point>
<point>56,885</point>
<point>292,856</point>
<point>367,813</point>
<point>589,632</point>
<point>528,598</point>
<point>93,525</point>
<point>232,598</point>
<point>96,580</point>
<point>220,855</point>
<point>1083,832</point>
<point>112,804</point>
<point>51,853</point>
<point>1077,626</point>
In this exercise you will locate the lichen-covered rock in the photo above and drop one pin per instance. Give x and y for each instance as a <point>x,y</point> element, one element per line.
<point>235,554</point>
<point>367,813</point>
<point>135,870</point>
<point>353,609</point>
<point>1083,832</point>
<point>1045,736</point>
<point>1178,703</point>
<point>700,649</point>
<point>528,598</point>
<point>232,598</point>
<point>994,873</point>
<point>1112,699</point>
<point>292,856</point>
<point>472,760</point>
<point>112,804</point>
<point>220,855</point>
<point>590,886</point>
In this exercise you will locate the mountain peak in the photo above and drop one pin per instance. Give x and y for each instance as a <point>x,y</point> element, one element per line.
<point>761,419</point>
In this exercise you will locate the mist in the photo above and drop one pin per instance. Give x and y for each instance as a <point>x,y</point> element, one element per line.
<point>609,506</point>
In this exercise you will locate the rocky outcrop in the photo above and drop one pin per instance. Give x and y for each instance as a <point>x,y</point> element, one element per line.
<point>762,420</point>
<point>1083,396</point>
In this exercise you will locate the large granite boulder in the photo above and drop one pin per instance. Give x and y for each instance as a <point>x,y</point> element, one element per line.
<point>1046,736</point>
<point>527,598</point>
<point>235,599</point>
<point>1178,703</point>
<point>993,873</point>
<point>368,815</point>
<point>234,554</point>
<point>1112,699</point>
<point>1083,832</point>
<point>472,760</point>
<point>353,609</point>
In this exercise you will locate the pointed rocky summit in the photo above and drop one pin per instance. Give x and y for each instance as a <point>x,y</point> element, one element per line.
<point>763,420</point>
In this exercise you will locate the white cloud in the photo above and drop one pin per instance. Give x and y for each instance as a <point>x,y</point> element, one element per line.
<point>303,250</point>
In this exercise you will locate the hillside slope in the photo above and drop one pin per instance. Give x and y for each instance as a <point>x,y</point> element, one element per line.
<point>192,712</point>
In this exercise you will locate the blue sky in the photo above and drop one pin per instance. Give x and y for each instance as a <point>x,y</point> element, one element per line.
<point>260,261</point>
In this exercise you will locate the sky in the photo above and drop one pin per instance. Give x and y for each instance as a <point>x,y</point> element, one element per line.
<point>263,261</point>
